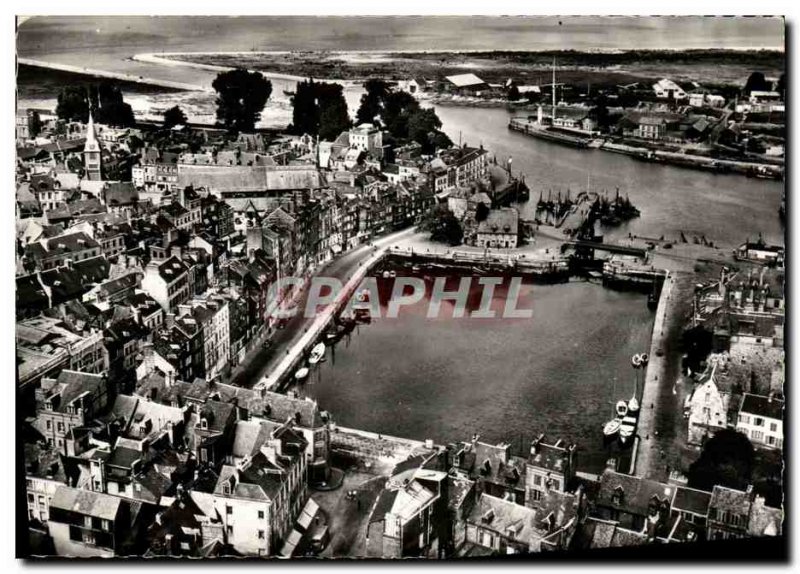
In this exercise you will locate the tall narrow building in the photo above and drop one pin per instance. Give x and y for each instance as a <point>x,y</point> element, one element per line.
<point>92,155</point>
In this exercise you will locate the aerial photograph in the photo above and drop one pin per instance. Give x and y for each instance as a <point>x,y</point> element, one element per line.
<point>384,287</point>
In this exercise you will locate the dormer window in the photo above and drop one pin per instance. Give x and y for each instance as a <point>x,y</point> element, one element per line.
<point>204,423</point>
<point>618,495</point>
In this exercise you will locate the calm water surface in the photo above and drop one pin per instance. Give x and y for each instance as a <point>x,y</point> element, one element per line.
<point>508,380</point>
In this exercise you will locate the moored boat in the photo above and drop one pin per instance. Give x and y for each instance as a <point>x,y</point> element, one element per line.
<point>622,408</point>
<point>301,374</point>
<point>317,353</point>
<point>627,428</point>
<point>611,427</point>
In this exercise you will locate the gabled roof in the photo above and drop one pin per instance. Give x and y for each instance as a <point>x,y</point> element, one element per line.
<point>465,80</point>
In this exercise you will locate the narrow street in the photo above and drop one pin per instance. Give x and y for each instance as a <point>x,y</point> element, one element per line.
<point>261,361</point>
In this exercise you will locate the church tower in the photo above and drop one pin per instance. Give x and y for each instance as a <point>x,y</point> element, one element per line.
<point>92,156</point>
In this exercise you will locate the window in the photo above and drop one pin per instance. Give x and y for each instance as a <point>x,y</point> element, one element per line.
<point>261,535</point>
<point>758,435</point>
<point>49,424</point>
<point>228,509</point>
<point>31,497</point>
<point>230,529</point>
<point>773,427</point>
<point>261,515</point>
<point>759,422</point>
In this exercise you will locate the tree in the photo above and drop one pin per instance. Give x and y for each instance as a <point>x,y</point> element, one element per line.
<point>756,83</point>
<point>241,97</point>
<point>780,87</point>
<point>108,106</point>
<point>481,212</point>
<point>305,109</point>
<point>727,459</point>
<point>696,343</point>
<point>73,104</point>
<point>443,225</point>
<point>333,116</point>
<point>397,109</point>
<point>174,117</point>
<point>36,124</point>
<point>319,108</point>
<point>513,93</point>
<point>423,128</point>
<point>371,106</point>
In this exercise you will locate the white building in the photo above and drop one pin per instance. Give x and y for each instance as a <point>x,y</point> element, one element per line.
<point>761,419</point>
<point>167,282</point>
<point>667,89</point>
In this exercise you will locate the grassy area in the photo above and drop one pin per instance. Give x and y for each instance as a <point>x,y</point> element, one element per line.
<point>597,69</point>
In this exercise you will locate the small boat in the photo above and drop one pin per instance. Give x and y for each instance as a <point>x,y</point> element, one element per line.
<point>317,353</point>
<point>611,427</point>
<point>633,405</point>
<point>627,428</point>
<point>392,274</point>
<point>385,274</point>
<point>301,374</point>
<point>622,408</point>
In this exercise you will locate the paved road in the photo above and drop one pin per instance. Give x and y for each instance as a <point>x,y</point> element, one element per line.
<point>261,361</point>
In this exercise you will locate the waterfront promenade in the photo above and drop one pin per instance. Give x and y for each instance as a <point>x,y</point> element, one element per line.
<point>292,341</point>
<point>661,425</point>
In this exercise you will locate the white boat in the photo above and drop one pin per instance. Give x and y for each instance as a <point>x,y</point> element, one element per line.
<point>633,405</point>
<point>317,353</point>
<point>622,408</point>
<point>385,274</point>
<point>301,374</point>
<point>392,274</point>
<point>627,428</point>
<point>611,427</point>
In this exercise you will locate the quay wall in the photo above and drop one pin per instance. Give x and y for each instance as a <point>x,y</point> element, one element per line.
<point>298,353</point>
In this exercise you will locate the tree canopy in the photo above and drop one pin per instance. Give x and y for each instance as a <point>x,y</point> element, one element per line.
<point>241,97</point>
<point>174,117</point>
<point>105,101</point>
<point>372,100</point>
<point>756,83</point>
<point>727,459</point>
<point>443,225</point>
<point>73,104</point>
<point>319,108</point>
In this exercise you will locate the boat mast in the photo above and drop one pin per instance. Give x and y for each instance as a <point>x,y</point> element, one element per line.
<point>554,88</point>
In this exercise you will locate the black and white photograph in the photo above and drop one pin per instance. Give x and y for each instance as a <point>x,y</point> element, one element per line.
<point>374,287</point>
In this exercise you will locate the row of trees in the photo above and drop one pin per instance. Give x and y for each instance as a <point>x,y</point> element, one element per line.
<point>104,100</point>
<point>400,113</point>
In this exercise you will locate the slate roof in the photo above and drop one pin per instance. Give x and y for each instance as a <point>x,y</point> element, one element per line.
<point>692,500</point>
<point>465,80</point>
<point>762,406</point>
<point>86,502</point>
<point>637,493</point>
<point>504,220</point>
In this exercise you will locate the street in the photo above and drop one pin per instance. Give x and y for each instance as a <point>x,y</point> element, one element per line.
<point>261,361</point>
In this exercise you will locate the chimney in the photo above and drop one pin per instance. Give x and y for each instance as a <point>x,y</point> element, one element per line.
<point>169,322</point>
<point>536,444</point>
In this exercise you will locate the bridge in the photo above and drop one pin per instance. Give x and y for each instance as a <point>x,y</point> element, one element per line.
<point>611,248</point>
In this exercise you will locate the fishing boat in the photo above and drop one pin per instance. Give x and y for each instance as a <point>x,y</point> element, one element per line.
<point>622,409</point>
<point>317,353</point>
<point>611,427</point>
<point>301,374</point>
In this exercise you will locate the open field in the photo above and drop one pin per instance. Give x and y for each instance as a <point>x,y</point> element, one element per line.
<point>728,66</point>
